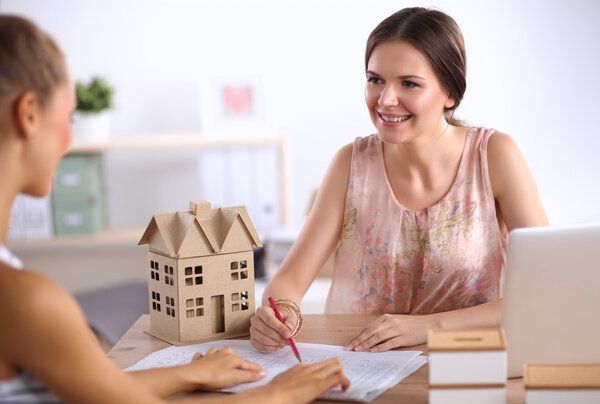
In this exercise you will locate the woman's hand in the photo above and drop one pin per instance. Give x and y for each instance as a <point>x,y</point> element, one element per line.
<point>303,383</point>
<point>217,369</point>
<point>392,331</point>
<point>269,334</point>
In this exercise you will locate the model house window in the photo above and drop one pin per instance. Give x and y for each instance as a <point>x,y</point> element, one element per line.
<point>170,306</point>
<point>168,275</point>
<point>239,265</point>
<point>193,275</point>
<point>240,304</point>
<point>155,301</point>
<point>194,307</point>
<point>154,274</point>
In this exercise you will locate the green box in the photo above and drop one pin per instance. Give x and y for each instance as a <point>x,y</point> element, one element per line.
<point>79,178</point>
<point>74,217</point>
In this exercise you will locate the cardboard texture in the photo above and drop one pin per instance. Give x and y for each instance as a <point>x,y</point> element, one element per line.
<point>201,273</point>
<point>467,364</point>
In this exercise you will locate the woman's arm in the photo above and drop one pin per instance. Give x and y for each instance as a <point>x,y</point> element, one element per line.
<point>513,184</point>
<point>519,205</point>
<point>49,337</point>
<point>201,373</point>
<point>316,241</point>
<point>46,333</point>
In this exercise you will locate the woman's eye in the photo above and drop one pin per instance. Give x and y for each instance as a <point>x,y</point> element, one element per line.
<point>374,80</point>
<point>409,84</point>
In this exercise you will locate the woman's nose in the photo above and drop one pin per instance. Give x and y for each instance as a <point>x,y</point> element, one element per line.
<point>388,97</point>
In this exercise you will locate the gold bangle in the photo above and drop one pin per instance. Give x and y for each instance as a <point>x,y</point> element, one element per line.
<point>290,304</point>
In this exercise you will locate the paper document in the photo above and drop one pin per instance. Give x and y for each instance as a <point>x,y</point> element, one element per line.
<point>370,373</point>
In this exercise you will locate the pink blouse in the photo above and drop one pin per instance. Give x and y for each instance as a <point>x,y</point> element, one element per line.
<point>396,260</point>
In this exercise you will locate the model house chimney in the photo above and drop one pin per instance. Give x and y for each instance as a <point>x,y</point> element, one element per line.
<point>200,209</point>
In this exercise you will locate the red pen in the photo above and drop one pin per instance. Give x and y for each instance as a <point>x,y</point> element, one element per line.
<point>278,315</point>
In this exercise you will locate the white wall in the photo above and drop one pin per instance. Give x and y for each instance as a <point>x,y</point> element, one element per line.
<point>532,72</point>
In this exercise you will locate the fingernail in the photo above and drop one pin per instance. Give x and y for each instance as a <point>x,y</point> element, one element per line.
<point>262,373</point>
<point>357,348</point>
<point>374,349</point>
<point>349,347</point>
<point>287,334</point>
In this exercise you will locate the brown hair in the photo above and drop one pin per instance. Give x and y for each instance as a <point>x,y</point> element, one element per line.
<point>437,36</point>
<point>29,61</point>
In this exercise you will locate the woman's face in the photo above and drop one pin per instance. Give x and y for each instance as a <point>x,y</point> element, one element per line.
<point>52,139</point>
<point>403,94</point>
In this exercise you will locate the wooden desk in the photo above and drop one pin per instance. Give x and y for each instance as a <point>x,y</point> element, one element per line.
<point>334,329</point>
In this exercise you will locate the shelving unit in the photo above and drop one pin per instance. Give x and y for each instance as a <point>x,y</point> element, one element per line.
<point>155,141</point>
<point>88,262</point>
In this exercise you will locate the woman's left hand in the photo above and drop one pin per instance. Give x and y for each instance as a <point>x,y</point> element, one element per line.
<point>392,331</point>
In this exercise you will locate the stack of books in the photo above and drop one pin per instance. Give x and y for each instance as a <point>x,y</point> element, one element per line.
<point>467,366</point>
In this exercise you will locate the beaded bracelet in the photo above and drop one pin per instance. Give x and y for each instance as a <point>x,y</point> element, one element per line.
<point>290,304</point>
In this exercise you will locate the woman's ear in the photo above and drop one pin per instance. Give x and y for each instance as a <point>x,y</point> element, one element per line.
<point>27,114</point>
<point>450,102</point>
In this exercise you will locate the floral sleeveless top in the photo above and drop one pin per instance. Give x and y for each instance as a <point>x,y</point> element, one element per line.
<point>396,260</point>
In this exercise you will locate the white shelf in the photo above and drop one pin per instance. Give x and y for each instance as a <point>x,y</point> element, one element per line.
<point>107,238</point>
<point>161,141</point>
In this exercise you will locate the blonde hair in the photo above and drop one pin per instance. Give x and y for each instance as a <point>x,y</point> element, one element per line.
<point>30,60</point>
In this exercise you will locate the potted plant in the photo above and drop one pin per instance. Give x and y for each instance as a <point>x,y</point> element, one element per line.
<point>94,100</point>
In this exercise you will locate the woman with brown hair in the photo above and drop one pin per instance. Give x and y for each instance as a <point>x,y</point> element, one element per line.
<point>47,351</point>
<point>420,209</point>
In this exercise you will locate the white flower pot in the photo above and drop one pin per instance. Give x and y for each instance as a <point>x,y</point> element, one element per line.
<point>94,127</point>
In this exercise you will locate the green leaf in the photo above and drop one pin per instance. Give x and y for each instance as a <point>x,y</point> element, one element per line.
<point>94,97</point>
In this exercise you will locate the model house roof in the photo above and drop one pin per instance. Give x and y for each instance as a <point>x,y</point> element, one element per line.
<point>201,231</point>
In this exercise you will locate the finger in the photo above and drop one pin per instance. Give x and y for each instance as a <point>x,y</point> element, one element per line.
<point>262,342</point>
<point>211,351</point>
<point>269,332</point>
<point>244,376</point>
<point>228,350</point>
<point>391,343</point>
<point>260,333</point>
<point>345,383</point>
<point>267,316</point>
<point>377,338</point>
<point>197,355</point>
<point>244,364</point>
<point>365,333</point>
<point>332,362</point>
<point>332,376</point>
<point>328,366</point>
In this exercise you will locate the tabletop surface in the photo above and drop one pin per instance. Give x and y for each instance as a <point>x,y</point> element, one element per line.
<point>332,329</point>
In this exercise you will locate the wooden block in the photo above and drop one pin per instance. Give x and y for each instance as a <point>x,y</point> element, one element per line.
<point>467,395</point>
<point>467,358</point>
<point>562,383</point>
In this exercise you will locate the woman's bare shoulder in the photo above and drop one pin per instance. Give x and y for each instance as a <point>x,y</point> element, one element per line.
<point>32,306</point>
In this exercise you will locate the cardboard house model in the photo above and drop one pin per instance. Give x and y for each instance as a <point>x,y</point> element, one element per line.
<point>200,273</point>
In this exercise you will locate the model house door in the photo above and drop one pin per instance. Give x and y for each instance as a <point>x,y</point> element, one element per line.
<point>217,308</point>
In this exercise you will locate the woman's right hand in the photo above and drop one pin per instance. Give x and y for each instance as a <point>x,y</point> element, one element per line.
<point>269,334</point>
<point>304,383</point>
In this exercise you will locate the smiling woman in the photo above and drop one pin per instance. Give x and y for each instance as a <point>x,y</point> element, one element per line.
<point>420,209</point>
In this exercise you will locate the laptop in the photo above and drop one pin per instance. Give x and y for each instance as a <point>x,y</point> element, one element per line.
<point>551,307</point>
